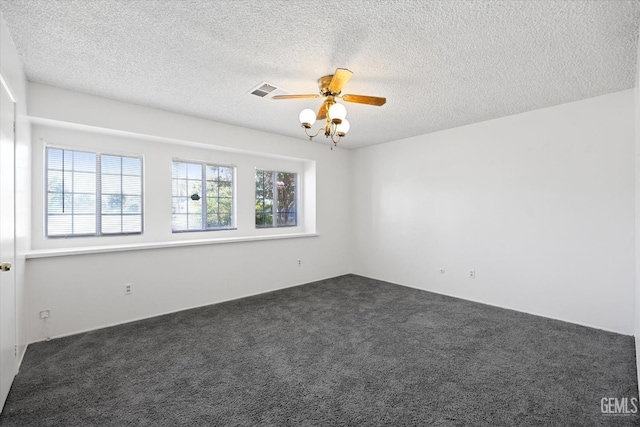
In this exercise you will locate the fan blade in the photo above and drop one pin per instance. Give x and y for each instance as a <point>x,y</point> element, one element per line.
<point>322,112</point>
<point>340,78</point>
<point>294,96</point>
<point>363,99</point>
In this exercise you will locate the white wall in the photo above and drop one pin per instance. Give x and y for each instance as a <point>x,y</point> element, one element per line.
<point>637,319</point>
<point>540,204</point>
<point>12,71</point>
<point>86,291</point>
<point>157,159</point>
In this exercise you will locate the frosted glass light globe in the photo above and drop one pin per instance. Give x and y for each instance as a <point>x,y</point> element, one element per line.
<point>343,127</point>
<point>337,111</point>
<point>307,116</point>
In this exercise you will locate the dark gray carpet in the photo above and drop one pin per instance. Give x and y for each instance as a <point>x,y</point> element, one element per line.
<point>343,351</point>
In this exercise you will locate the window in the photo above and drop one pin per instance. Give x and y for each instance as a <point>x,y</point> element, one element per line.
<point>276,206</point>
<point>194,209</point>
<point>92,194</point>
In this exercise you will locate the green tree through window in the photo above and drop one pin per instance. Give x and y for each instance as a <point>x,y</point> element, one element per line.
<point>276,199</point>
<point>193,209</point>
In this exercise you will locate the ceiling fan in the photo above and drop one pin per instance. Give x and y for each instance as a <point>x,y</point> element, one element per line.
<point>336,126</point>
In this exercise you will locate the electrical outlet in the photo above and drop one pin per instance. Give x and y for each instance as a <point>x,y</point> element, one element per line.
<point>44,314</point>
<point>472,274</point>
<point>299,262</point>
<point>128,288</point>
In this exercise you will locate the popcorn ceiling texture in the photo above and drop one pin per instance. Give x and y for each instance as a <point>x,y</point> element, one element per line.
<point>441,64</point>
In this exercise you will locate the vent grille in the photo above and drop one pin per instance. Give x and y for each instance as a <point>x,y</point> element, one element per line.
<point>263,89</point>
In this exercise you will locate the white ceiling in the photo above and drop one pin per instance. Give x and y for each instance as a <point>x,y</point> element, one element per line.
<point>440,64</point>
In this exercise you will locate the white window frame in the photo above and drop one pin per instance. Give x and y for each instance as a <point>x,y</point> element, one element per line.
<point>274,223</point>
<point>203,197</point>
<point>98,193</point>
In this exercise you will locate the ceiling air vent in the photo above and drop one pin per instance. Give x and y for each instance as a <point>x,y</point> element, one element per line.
<point>263,90</point>
<point>266,90</point>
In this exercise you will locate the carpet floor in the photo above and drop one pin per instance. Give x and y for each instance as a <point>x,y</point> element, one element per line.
<point>343,351</point>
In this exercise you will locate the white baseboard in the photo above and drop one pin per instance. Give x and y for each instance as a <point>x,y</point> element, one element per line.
<point>638,362</point>
<point>499,306</point>
<point>176,311</point>
<point>21,357</point>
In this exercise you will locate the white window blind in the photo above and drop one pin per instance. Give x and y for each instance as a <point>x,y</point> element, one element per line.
<point>91,194</point>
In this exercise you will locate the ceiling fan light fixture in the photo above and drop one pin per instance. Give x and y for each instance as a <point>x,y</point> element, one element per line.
<point>337,111</point>
<point>343,128</point>
<point>307,117</point>
<point>333,114</point>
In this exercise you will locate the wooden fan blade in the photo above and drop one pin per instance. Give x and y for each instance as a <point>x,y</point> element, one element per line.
<point>340,78</point>
<point>294,96</point>
<point>363,99</point>
<point>322,112</point>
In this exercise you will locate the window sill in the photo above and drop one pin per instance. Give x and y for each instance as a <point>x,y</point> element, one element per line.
<point>48,253</point>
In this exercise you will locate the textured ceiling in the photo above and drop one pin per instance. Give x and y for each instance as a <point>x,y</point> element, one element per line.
<point>440,64</point>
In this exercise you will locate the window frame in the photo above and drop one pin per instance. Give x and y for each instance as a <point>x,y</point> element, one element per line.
<point>274,223</point>
<point>98,192</point>
<point>203,196</point>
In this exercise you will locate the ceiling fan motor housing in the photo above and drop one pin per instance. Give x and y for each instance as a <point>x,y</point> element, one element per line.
<point>323,85</point>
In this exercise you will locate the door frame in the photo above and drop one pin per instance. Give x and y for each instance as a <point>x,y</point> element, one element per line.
<point>7,88</point>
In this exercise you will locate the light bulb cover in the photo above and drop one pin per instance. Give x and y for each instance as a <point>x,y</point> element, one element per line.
<point>343,127</point>
<point>307,116</point>
<point>337,111</point>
